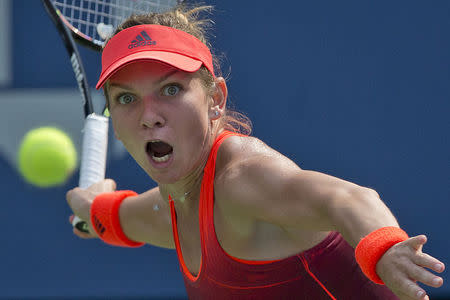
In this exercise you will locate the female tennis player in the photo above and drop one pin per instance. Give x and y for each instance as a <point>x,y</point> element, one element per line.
<point>246,221</point>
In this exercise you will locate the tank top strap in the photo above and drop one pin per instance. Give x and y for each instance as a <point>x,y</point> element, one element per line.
<point>206,206</point>
<point>211,163</point>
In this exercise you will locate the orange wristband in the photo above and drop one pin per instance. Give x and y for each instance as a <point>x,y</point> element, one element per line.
<point>105,218</point>
<point>372,247</point>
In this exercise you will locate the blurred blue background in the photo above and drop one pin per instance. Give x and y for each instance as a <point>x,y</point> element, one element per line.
<point>356,89</point>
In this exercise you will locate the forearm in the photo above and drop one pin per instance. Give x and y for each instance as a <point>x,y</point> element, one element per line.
<point>356,211</point>
<point>146,218</point>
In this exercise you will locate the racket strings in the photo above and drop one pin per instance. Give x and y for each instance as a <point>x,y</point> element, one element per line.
<point>97,19</point>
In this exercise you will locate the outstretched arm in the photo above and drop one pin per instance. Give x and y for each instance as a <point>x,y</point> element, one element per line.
<point>277,191</point>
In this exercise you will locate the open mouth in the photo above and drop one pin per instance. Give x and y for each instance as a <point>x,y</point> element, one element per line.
<point>159,151</point>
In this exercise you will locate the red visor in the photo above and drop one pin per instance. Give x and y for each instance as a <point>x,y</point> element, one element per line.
<point>154,42</point>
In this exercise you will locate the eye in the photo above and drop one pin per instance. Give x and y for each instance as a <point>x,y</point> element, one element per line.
<point>125,98</point>
<point>171,90</point>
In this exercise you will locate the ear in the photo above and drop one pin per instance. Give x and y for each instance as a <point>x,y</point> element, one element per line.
<point>218,99</point>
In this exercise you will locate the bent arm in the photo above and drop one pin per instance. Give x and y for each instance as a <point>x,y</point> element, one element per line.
<point>146,218</point>
<point>143,218</point>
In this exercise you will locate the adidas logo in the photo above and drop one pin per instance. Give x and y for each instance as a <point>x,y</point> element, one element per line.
<point>142,39</point>
<point>99,226</point>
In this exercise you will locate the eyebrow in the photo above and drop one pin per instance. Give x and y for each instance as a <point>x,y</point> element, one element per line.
<point>161,79</point>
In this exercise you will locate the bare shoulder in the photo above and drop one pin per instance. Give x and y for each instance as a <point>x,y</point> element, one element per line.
<point>255,181</point>
<point>244,151</point>
<point>256,198</point>
<point>250,173</point>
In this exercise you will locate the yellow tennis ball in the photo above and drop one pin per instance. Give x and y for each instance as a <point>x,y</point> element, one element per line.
<point>47,157</point>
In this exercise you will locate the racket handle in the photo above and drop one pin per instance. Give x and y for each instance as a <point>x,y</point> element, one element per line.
<point>93,152</point>
<point>93,157</point>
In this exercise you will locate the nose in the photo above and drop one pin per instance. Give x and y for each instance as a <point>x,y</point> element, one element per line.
<point>150,116</point>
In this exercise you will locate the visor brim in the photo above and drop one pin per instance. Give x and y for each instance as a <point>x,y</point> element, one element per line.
<point>179,61</point>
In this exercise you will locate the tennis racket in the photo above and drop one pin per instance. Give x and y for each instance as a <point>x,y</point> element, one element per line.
<point>90,23</point>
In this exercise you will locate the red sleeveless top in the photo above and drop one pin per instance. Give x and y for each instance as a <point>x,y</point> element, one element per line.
<point>326,271</point>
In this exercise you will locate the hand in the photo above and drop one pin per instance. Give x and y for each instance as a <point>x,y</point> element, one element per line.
<point>80,201</point>
<point>403,265</point>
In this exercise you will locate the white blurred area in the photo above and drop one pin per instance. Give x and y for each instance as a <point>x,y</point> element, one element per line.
<point>22,110</point>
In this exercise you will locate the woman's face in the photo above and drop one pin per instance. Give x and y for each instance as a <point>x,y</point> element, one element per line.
<point>162,116</point>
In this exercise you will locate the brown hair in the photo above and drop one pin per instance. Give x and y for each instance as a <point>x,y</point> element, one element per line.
<point>188,20</point>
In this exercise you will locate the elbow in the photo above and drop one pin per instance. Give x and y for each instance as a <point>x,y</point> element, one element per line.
<point>349,201</point>
<point>354,194</point>
<point>369,193</point>
<point>365,198</point>
<point>357,211</point>
<point>364,206</point>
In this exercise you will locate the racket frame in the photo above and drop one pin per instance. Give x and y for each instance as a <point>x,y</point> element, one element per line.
<point>95,130</point>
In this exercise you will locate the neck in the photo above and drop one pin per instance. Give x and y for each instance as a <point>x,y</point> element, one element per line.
<point>187,189</point>
<point>184,189</point>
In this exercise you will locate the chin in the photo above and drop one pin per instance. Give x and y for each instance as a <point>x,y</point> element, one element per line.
<point>163,178</point>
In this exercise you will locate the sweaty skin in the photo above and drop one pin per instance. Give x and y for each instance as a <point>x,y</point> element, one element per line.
<point>266,207</point>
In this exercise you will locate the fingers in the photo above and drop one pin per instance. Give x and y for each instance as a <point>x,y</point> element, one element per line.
<point>421,296</point>
<point>79,201</point>
<point>422,260</point>
<point>420,274</point>
<point>427,261</point>
<point>405,264</point>
<point>104,186</point>
<point>112,184</point>
<point>417,272</point>
<point>417,242</point>
<point>407,289</point>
